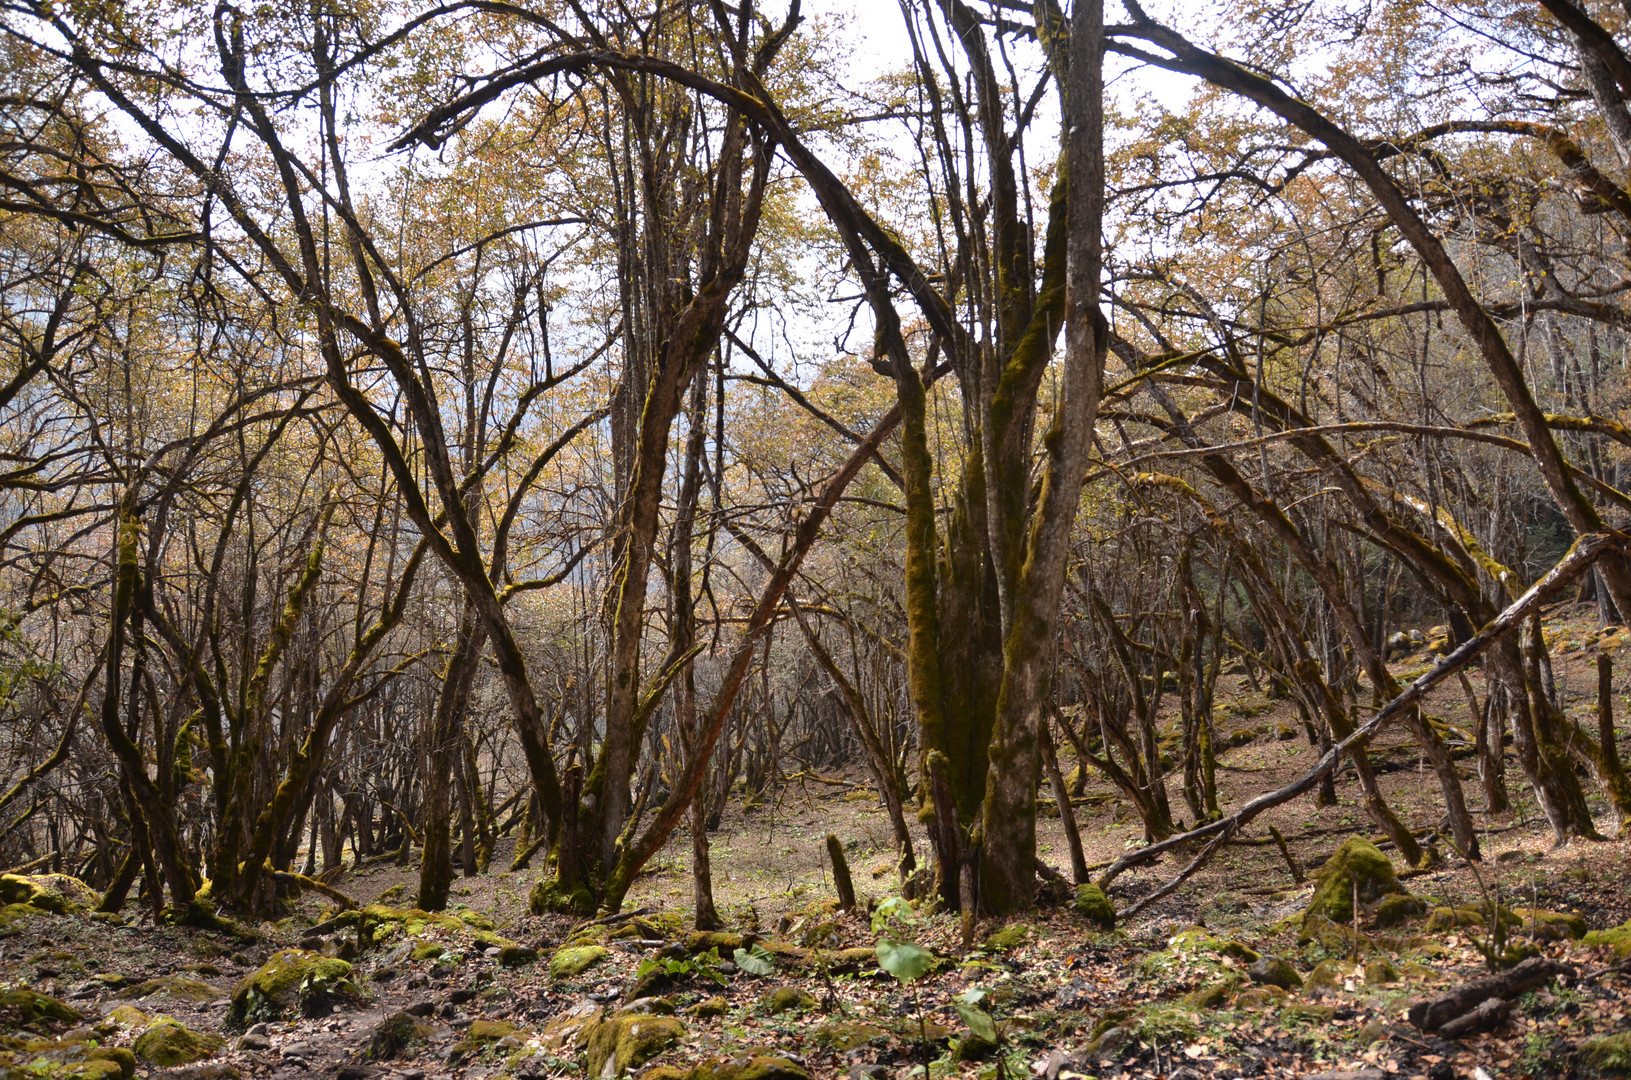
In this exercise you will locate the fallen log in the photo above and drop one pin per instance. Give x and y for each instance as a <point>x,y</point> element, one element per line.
<point>1436,1014</point>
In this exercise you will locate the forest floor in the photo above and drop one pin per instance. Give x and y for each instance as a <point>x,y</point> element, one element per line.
<point>1171,995</point>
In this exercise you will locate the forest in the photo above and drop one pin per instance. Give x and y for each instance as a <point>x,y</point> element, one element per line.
<point>734,540</point>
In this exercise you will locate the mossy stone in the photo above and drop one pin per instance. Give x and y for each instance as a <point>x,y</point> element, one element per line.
<point>290,978</point>
<point>427,950</point>
<point>1616,939</point>
<point>846,1035</point>
<point>786,999</point>
<point>128,1016</point>
<point>516,955</point>
<point>754,1067</point>
<point>1009,937</point>
<point>1273,971</point>
<point>1552,925</point>
<point>1607,1055</point>
<point>1325,980</point>
<point>58,894</point>
<point>1212,996</point>
<point>621,1043</point>
<point>167,1043</point>
<point>171,986</point>
<point>1397,908</point>
<point>476,920</point>
<point>1357,864</point>
<point>1380,972</point>
<point>483,1034</point>
<point>1093,905</point>
<point>572,961</point>
<point>30,1007</point>
<point>121,1056</point>
<point>713,1006</point>
<point>1258,997</point>
<point>973,1048</point>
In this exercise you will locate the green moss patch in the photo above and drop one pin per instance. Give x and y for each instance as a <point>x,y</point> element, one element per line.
<point>167,1043</point>
<point>1359,868</point>
<point>572,961</point>
<point>291,979</point>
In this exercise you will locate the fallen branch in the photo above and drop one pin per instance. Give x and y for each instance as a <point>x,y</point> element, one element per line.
<point>316,886</point>
<point>1467,1007</point>
<point>1585,551</point>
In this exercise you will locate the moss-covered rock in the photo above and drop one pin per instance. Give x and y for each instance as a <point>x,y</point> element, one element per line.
<point>1335,938</point>
<point>1198,939</point>
<point>1616,939</point>
<point>1396,909</point>
<point>1552,925</point>
<point>1380,972</point>
<point>973,1048</point>
<point>1209,997</point>
<point>746,1067</point>
<point>291,979</point>
<point>127,1017</point>
<point>1009,937</point>
<point>1259,997</point>
<point>11,915</point>
<point>846,1035</point>
<point>712,1006</point>
<point>167,1043</point>
<point>65,1059</point>
<point>786,999</point>
<point>29,1007</point>
<point>620,1043</point>
<point>170,986</point>
<point>378,925</point>
<point>1273,971</point>
<point>1357,865</point>
<point>1607,1055</point>
<point>516,955</point>
<point>121,1056</point>
<point>427,950</point>
<point>1093,905</point>
<point>1326,979</point>
<point>572,961</point>
<point>481,1035</point>
<point>58,894</point>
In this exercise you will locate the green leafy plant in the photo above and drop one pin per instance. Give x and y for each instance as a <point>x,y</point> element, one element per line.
<point>755,960</point>
<point>906,960</point>
<point>705,965</point>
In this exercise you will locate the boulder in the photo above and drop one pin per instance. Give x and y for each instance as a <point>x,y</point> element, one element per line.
<point>1358,863</point>
<point>787,999</point>
<point>1092,904</point>
<point>516,955</point>
<point>290,979</point>
<point>58,894</point>
<point>1616,939</point>
<point>1009,937</point>
<point>572,961</point>
<point>620,1043</point>
<point>30,1007</point>
<point>1273,971</point>
<point>167,1043</point>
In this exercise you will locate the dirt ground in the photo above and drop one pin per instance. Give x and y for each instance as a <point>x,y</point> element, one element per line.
<point>797,991</point>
